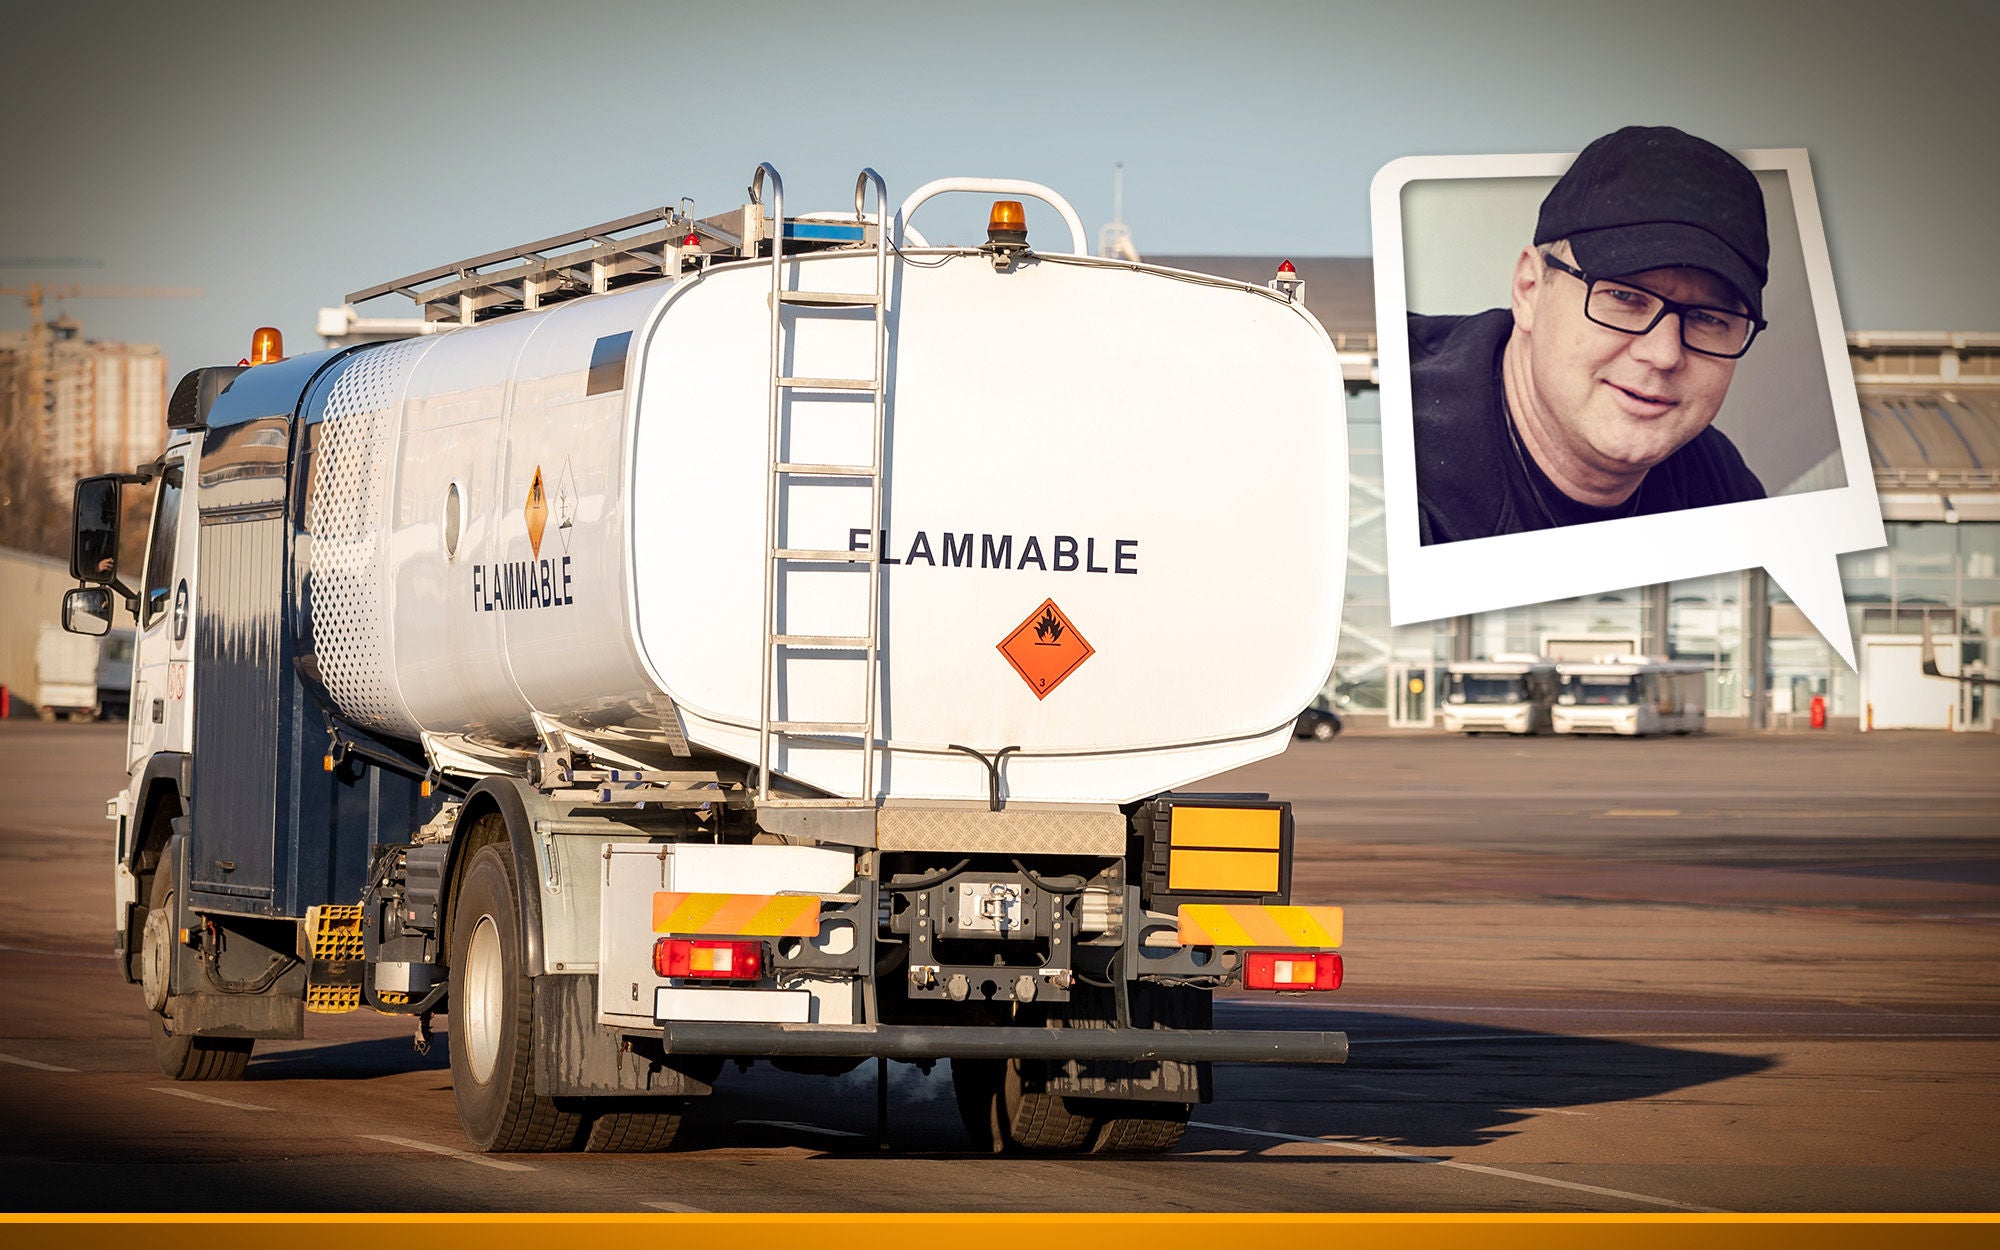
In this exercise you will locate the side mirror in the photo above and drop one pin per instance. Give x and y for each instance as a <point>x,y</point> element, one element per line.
<point>93,547</point>
<point>87,610</point>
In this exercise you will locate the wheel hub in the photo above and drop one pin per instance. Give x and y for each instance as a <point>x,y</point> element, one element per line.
<point>485,997</point>
<point>156,955</point>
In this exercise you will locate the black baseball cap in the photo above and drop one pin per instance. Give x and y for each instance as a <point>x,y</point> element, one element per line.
<point>1653,197</point>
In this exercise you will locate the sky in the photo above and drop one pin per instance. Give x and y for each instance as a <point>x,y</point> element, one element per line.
<point>278,156</point>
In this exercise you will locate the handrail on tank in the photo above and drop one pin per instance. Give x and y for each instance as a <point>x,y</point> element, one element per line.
<point>997,186</point>
<point>861,181</point>
<point>777,187</point>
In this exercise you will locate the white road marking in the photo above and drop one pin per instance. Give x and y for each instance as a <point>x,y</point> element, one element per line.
<point>1296,1005</point>
<point>682,1207</point>
<point>1702,1034</point>
<point>1406,1157</point>
<point>208,1098</point>
<point>1558,1111</point>
<point>19,1062</point>
<point>803,1128</point>
<point>1379,1089</point>
<point>463,1156</point>
<point>36,950</point>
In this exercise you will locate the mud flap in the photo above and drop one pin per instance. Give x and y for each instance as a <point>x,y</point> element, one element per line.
<point>575,1056</point>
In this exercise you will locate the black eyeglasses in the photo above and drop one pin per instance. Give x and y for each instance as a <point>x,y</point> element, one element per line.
<point>1628,308</point>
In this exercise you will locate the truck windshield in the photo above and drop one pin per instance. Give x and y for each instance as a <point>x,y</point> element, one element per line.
<point>1616,691</point>
<point>1488,689</point>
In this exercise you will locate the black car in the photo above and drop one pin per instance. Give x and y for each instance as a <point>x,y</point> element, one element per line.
<point>1318,722</point>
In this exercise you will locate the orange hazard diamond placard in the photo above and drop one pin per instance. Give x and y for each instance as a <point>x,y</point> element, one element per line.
<point>537,512</point>
<point>1045,648</point>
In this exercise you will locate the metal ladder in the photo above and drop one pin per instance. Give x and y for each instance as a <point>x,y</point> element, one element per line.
<point>778,557</point>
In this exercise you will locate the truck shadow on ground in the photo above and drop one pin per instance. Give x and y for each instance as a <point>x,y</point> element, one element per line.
<point>1410,1082</point>
<point>348,1061</point>
<point>1418,1083</point>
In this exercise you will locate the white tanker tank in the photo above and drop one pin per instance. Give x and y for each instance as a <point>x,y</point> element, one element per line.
<point>1113,526</point>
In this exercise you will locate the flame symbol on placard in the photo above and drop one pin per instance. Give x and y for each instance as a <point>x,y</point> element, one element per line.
<point>1048,628</point>
<point>537,512</point>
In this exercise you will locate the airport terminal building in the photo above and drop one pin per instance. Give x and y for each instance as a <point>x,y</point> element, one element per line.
<point>1930,405</point>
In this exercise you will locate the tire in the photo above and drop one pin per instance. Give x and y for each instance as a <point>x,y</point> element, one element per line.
<point>1001,1116</point>
<point>974,1084</point>
<point>1148,1128</point>
<point>182,1058</point>
<point>492,1019</point>
<point>1323,731</point>
<point>1154,1132</point>
<point>635,1132</point>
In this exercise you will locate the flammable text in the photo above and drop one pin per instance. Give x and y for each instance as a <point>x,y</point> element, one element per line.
<point>1062,554</point>
<point>516,584</point>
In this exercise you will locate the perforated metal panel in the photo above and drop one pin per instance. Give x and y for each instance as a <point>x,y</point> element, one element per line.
<point>354,460</point>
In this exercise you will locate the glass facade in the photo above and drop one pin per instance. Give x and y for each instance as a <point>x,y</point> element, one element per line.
<point>1946,574</point>
<point>1943,575</point>
<point>1368,647</point>
<point>1705,626</point>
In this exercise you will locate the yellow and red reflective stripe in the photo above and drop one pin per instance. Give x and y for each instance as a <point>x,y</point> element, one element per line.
<point>735,915</point>
<point>1246,924</point>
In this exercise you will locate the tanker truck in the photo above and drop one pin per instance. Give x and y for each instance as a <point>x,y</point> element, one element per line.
<point>754,638</point>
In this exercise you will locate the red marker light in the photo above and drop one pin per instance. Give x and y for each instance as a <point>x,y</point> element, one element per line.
<point>1291,970</point>
<point>692,240</point>
<point>1285,267</point>
<point>703,959</point>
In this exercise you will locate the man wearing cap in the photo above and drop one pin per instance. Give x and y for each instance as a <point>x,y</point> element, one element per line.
<point>1589,398</point>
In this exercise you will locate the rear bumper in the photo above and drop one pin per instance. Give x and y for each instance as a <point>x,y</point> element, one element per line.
<point>911,1041</point>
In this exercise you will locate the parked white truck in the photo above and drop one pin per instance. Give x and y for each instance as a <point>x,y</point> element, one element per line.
<point>65,675</point>
<point>762,637</point>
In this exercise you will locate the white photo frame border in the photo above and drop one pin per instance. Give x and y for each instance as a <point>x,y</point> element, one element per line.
<point>1798,538</point>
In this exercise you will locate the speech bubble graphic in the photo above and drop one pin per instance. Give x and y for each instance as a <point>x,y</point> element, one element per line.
<point>1447,230</point>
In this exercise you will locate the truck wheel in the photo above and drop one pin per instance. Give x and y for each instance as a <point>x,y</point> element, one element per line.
<point>1154,1132</point>
<point>635,1132</point>
<point>1150,1128</point>
<point>181,1058</point>
<point>974,1082</point>
<point>1000,1115</point>
<point>492,1019</point>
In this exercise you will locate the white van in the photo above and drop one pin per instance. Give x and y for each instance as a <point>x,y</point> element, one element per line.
<point>1512,694</point>
<point>1631,695</point>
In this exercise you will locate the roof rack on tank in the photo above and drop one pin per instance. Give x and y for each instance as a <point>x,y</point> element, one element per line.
<point>656,243</point>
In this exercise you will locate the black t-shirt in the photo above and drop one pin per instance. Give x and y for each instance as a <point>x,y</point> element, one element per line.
<point>1473,482</point>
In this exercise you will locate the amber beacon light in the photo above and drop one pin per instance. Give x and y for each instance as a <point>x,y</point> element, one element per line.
<point>267,346</point>
<point>1007,224</point>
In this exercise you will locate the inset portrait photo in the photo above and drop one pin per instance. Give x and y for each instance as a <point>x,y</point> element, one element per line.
<point>1572,345</point>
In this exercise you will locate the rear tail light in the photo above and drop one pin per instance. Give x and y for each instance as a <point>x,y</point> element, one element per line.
<point>1291,970</point>
<point>699,959</point>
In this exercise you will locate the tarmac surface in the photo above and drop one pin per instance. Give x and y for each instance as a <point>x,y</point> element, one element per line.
<point>1724,973</point>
